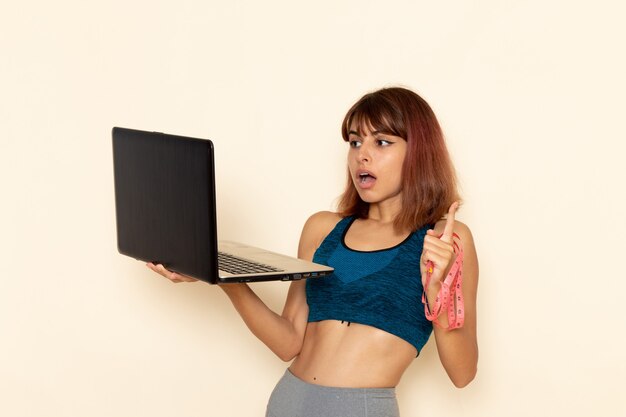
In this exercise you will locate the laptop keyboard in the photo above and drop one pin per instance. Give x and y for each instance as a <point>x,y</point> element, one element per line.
<point>235,265</point>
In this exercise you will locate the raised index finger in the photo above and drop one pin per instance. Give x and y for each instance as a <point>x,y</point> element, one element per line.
<point>449,229</point>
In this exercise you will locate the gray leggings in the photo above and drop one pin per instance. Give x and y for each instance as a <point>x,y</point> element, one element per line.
<point>294,397</point>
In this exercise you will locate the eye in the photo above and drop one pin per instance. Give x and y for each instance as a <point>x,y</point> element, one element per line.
<point>355,143</point>
<point>383,142</point>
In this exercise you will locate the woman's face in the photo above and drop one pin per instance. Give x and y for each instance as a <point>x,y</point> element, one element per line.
<point>375,163</point>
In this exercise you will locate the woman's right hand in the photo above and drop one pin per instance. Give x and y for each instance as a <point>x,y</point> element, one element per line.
<point>172,276</point>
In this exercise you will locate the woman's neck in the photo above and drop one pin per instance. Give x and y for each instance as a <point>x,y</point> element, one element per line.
<point>385,211</point>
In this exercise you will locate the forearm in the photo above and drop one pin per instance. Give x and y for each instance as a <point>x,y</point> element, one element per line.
<point>458,347</point>
<point>275,331</point>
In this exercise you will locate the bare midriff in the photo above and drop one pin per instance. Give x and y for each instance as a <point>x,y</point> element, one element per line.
<point>358,356</point>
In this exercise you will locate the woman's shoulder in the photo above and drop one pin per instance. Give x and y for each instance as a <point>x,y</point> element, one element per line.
<point>322,223</point>
<point>324,218</point>
<point>315,230</point>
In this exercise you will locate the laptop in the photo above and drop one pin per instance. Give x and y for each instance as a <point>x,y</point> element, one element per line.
<point>166,213</point>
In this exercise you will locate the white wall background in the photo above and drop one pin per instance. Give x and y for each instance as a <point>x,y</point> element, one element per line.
<point>530,95</point>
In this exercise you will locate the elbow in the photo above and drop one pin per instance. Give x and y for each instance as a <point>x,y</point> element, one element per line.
<point>289,352</point>
<point>463,380</point>
<point>464,371</point>
<point>286,357</point>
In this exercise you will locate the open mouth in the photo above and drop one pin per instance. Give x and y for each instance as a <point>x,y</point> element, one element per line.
<point>365,178</point>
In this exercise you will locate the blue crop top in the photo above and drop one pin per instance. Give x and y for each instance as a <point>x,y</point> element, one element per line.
<point>381,288</point>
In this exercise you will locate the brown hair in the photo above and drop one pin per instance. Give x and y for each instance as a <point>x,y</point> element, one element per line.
<point>428,178</point>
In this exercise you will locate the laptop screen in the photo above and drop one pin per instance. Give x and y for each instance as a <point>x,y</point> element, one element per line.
<point>165,201</point>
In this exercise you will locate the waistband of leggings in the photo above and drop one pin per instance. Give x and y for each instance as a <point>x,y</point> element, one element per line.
<point>379,392</point>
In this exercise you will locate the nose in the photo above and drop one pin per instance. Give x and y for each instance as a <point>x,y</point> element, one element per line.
<point>364,153</point>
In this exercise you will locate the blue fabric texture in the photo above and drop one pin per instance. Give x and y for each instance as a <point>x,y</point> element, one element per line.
<point>380,288</point>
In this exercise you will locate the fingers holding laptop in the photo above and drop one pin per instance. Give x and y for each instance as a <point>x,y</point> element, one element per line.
<point>172,276</point>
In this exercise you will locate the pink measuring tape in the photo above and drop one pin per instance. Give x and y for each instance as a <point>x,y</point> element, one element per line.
<point>450,297</point>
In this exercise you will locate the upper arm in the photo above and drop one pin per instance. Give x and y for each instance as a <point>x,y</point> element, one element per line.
<point>314,231</point>
<point>470,273</point>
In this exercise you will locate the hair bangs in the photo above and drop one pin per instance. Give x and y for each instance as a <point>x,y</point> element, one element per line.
<point>375,114</point>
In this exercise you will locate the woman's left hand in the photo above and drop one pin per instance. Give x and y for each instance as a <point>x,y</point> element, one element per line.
<point>172,276</point>
<point>438,252</point>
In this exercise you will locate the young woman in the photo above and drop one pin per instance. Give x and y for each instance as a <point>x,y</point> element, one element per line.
<point>352,335</point>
